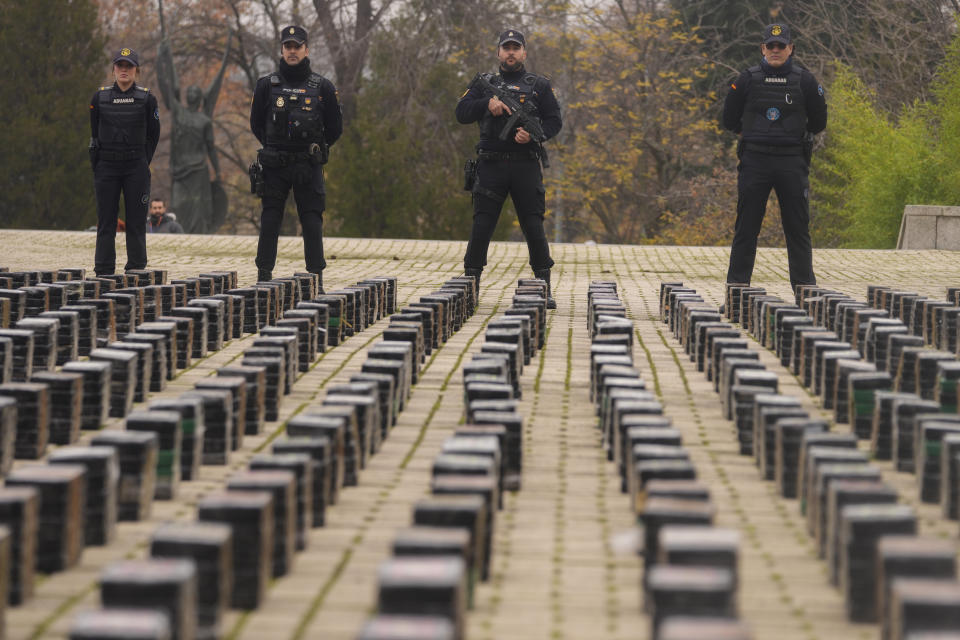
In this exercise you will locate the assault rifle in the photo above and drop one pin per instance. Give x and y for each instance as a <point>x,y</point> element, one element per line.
<point>520,115</point>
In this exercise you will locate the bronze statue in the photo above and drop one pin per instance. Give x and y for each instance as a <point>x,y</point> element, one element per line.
<point>200,204</point>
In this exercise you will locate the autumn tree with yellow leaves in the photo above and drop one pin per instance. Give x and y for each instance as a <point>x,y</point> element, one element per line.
<point>639,130</point>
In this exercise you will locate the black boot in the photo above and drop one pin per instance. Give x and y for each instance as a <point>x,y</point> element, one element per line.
<point>476,274</point>
<point>544,274</point>
<point>320,290</point>
<point>263,275</point>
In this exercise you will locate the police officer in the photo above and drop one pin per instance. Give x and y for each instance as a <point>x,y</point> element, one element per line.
<point>511,166</point>
<point>124,130</point>
<point>776,107</point>
<point>296,117</point>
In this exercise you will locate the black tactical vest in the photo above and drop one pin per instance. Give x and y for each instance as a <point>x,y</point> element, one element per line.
<point>775,111</point>
<point>123,119</point>
<point>524,90</point>
<point>295,116</point>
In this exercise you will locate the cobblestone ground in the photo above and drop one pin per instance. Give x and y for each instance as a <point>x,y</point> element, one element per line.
<point>560,570</point>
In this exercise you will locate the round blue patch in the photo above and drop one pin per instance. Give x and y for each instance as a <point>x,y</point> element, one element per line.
<point>156,114</point>
<point>820,89</point>
<point>773,114</point>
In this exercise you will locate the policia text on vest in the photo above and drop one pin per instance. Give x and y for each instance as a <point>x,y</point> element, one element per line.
<point>776,107</point>
<point>124,131</point>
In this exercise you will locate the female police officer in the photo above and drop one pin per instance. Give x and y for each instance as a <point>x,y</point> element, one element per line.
<point>124,130</point>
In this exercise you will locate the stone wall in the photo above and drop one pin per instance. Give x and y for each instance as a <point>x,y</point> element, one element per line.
<point>930,227</point>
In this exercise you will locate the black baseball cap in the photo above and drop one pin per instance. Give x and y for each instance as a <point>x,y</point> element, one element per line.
<point>776,32</point>
<point>293,33</point>
<point>127,54</point>
<point>512,35</point>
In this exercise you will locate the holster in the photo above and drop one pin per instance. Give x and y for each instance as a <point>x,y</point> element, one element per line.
<point>256,178</point>
<point>319,153</point>
<point>808,147</point>
<point>94,151</point>
<point>544,158</point>
<point>469,174</point>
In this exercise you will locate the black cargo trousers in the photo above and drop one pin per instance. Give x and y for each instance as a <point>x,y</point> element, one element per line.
<point>306,180</point>
<point>518,175</point>
<point>787,174</point>
<point>110,179</point>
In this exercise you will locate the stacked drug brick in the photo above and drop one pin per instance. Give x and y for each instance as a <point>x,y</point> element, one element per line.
<point>421,597</point>
<point>425,590</point>
<point>691,568</point>
<point>54,510</point>
<point>249,533</point>
<point>137,331</point>
<point>868,540</point>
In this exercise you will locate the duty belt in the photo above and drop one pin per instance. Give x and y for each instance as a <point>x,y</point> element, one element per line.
<point>508,155</point>
<point>270,157</point>
<point>774,150</point>
<point>112,155</point>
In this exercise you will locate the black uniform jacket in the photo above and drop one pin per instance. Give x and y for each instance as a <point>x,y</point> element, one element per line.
<point>473,105</point>
<point>259,109</point>
<point>151,113</point>
<point>813,93</point>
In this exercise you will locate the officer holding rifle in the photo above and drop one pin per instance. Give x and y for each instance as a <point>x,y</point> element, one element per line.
<point>509,153</point>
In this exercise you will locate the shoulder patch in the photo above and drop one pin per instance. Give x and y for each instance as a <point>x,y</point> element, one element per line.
<point>820,89</point>
<point>103,88</point>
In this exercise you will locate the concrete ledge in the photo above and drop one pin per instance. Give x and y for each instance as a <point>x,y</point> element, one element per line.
<point>930,227</point>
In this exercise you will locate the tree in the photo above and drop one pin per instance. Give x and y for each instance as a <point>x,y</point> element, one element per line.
<point>729,31</point>
<point>642,128</point>
<point>873,165</point>
<point>398,168</point>
<point>894,46</point>
<point>45,177</point>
